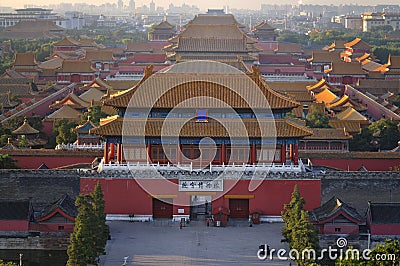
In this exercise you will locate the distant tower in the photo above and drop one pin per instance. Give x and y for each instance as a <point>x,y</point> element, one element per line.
<point>120,4</point>
<point>152,7</point>
<point>132,6</point>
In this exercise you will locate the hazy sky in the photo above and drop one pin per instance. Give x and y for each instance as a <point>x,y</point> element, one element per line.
<point>204,4</point>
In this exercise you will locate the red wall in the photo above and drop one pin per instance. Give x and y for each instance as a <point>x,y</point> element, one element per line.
<point>48,127</point>
<point>125,196</point>
<point>14,225</point>
<point>52,227</point>
<point>385,229</point>
<point>122,196</point>
<point>271,195</point>
<point>344,229</point>
<point>355,164</point>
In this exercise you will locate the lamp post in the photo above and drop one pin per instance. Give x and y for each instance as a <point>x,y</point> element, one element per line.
<point>125,260</point>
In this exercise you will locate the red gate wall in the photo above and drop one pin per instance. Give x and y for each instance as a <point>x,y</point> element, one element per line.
<point>126,196</point>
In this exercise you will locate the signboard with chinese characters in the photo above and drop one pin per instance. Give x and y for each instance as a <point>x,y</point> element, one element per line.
<point>201,185</point>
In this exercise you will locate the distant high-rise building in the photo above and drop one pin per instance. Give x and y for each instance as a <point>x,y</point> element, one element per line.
<point>120,4</point>
<point>152,7</point>
<point>132,5</point>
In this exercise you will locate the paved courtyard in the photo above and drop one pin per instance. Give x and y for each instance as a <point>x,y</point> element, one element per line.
<point>163,243</point>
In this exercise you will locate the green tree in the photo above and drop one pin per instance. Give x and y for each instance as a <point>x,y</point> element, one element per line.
<point>396,100</point>
<point>7,127</point>
<point>389,247</point>
<point>64,131</point>
<point>298,230</point>
<point>304,237</point>
<point>293,37</point>
<point>387,132</point>
<point>90,235</point>
<point>6,162</point>
<point>102,230</point>
<point>362,141</point>
<point>82,248</point>
<point>292,214</point>
<point>95,114</point>
<point>350,260</point>
<point>2,263</point>
<point>317,120</point>
<point>381,53</point>
<point>22,142</point>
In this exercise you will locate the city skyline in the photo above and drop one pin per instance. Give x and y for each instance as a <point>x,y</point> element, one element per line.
<point>252,4</point>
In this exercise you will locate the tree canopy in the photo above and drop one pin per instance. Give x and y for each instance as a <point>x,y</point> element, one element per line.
<point>383,134</point>
<point>90,235</point>
<point>383,254</point>
<point>64,131</point>
<point>298,230</point>
<point>2,263</point>
<point>318,120</point>
<point>7,127</point>
<point>102,228</point>
<point>95,114</point>
<point>82,250</point>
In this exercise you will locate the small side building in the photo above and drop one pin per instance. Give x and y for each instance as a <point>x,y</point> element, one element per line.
<point>383,218</point>
<point>336,217</point>
<point>15,216</point>
<point>84,138</point>
<point>58,217</point>
<point>28,137</point>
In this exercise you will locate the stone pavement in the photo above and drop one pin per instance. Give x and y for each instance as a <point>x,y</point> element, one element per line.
<point>163,243</point>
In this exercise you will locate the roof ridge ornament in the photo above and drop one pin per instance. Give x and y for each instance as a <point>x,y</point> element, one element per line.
<point>148,71</point>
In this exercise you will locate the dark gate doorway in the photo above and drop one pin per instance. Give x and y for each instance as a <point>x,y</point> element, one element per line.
<point>200,207</point>
<point>239,208</point>
<point>162,208</point>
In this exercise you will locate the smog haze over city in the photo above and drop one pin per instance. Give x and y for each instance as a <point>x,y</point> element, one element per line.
<point>252,4</point>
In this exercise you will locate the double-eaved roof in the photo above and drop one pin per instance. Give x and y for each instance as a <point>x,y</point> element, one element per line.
<point>25,129</point>
<point>201,84</point>
<point>279,128</point>
<point>205,79</point>
<point>210,37</point>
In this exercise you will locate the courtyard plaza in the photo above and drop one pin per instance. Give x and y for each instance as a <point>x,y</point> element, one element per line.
<point>162,242</point>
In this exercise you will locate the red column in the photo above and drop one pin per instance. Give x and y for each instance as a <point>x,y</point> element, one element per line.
<point>119,152</point>
<point>112,151</point>
<point>148,151</point>
<point>106,146</point>
<point>253,154</point>
<point>122,152</point>
<point>283,153</point>
<point>296,154</point>
<point>223,153</point>
<point>178,153</point>
<point>291,152</point>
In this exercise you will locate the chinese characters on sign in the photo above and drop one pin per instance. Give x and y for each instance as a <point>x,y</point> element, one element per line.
<point>201,185</point>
